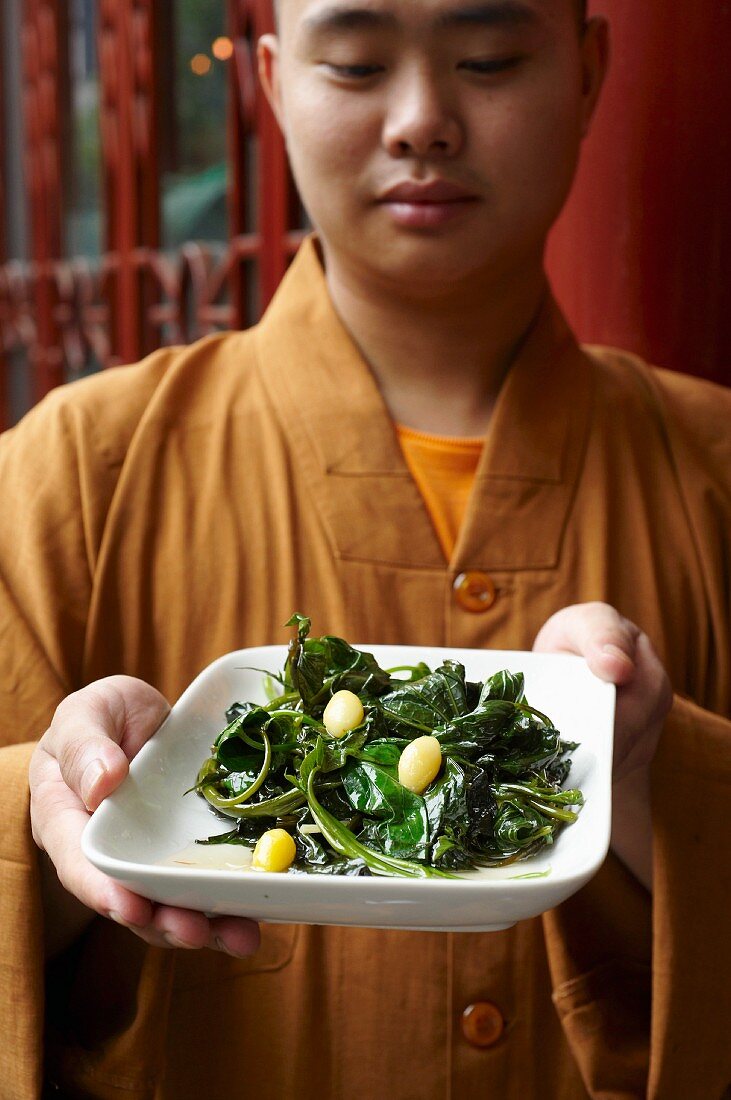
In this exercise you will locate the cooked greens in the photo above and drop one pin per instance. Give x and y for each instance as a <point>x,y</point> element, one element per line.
<point>497,798</point>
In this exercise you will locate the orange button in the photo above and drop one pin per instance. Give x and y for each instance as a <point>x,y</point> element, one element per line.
<point>482,1024</point>
<point>475,591</point>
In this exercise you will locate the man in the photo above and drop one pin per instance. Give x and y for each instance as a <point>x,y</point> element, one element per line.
<point>167,513</point>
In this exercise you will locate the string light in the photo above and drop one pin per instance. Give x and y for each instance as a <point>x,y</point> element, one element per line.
<point>200,64</point>
<point>222,48</point>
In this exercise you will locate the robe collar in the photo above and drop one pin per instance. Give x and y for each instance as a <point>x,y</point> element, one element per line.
<point>343,436</point>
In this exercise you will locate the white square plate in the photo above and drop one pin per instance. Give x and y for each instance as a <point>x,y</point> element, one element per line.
<point>138,831</point>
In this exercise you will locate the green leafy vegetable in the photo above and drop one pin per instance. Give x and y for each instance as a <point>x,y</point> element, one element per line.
<point>498,798</point>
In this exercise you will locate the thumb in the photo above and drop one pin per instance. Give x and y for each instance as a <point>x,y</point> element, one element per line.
<point>96,732</point>
<point>596,632</point>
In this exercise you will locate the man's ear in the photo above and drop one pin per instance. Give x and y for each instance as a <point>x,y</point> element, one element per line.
<point>267,55</point>
<point>595,61</point>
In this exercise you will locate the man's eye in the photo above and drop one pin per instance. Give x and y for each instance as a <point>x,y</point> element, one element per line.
<point>354,72</point>
<point>491,66</point>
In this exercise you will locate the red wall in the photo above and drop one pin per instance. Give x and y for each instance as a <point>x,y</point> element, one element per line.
<point>640,257</point>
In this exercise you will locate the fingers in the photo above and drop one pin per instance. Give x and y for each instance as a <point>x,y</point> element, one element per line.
<point>58,819</point>
<point>617,651</point>
<point>81,759</point>
<point>642,707</point>
<point>235,936</point>
<point>187,929</point>
<point>96,732</point>
<point>597,632</point>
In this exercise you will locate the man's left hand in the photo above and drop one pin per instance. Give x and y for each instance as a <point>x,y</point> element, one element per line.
<point>617,651</point>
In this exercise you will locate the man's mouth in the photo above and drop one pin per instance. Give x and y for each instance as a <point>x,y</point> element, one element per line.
<point>426,204</point>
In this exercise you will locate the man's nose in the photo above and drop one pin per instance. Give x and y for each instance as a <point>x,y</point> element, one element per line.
<point>420,121</point>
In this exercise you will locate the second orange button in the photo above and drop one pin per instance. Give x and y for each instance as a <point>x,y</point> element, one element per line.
<point>482,1024</point>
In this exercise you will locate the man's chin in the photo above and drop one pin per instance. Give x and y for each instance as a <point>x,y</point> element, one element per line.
<point>420,264</point>
<point>427,265</point>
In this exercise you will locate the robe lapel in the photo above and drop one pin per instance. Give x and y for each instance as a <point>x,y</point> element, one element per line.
<point>344,441</point>
<point>527,474</point>
<point>341,432</point>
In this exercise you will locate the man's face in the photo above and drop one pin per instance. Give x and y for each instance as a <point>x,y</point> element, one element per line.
<point>473,109</point>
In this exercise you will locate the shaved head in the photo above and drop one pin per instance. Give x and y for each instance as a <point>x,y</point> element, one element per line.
<point>581,6</point>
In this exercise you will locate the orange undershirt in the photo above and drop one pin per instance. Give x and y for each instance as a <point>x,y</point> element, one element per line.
<point>444,469</point>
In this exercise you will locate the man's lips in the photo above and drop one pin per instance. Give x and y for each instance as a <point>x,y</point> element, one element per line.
<point>432,191</point>
<point>428,205</point>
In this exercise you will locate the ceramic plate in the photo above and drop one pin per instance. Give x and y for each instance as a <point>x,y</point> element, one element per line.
<point>143,835</point>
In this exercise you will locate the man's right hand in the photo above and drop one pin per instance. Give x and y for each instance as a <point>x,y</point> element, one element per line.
<point>84,756</point>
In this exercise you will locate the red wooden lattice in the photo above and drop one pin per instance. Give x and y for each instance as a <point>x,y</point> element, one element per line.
<point>66,313</point>
<point>44,78</point>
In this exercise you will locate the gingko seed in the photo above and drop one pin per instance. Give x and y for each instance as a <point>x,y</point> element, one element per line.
<point>343,713</point>
<point>275,850</point>
<point>419,763</point>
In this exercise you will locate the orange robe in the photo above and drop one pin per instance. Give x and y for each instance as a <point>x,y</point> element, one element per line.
<point>158,516</point>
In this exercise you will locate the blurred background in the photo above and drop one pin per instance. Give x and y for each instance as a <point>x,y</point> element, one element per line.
<point>145,198</point>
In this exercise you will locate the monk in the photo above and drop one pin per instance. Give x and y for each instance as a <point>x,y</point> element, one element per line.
<point>411,448</point>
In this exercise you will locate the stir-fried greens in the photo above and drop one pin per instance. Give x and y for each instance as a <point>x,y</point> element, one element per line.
<point>496,798</point>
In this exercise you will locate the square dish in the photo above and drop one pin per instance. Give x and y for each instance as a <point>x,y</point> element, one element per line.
<point>137,833</point>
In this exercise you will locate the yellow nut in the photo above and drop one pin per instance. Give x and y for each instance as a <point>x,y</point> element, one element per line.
<point>274,851</point>
<point>343,713</point>
<point>419,763</point>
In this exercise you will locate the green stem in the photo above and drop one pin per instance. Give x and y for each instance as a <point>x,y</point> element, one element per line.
<point>551,811</point>
<point>228,803</point>
<point>279,806</point>
<point>571,797</point>
<point>304,719</point>
<point>291,696</point>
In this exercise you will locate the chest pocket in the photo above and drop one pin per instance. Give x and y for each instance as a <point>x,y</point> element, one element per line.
<point>198,969</point>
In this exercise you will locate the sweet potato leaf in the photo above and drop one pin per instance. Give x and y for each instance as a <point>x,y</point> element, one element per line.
<point>401,825</point>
